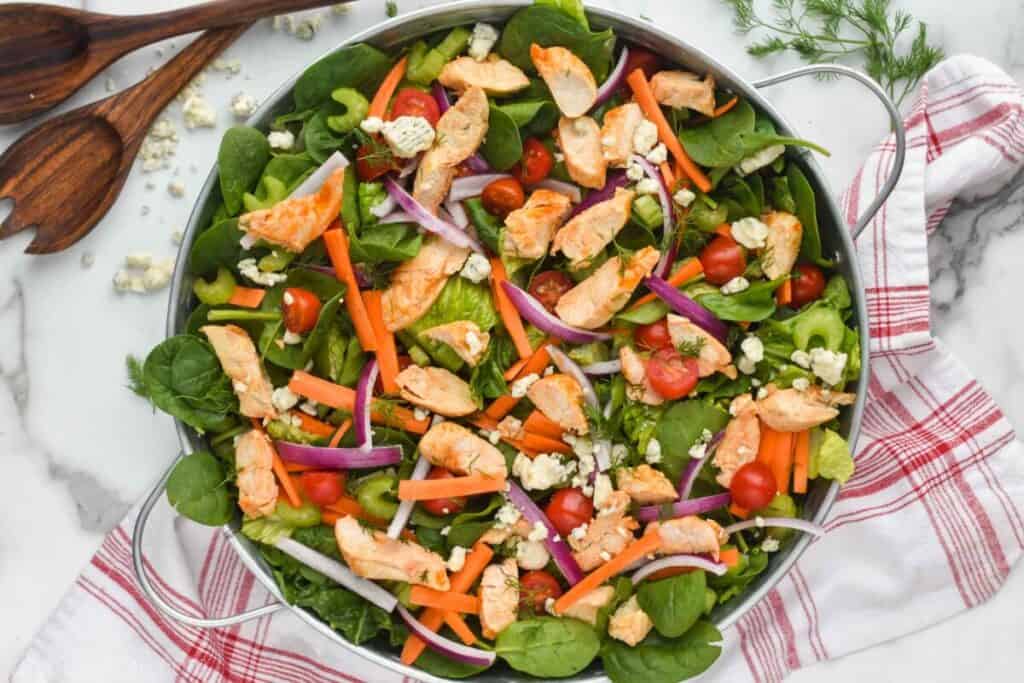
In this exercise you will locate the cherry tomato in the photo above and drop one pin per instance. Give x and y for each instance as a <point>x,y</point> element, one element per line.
<point>671,374</point>
<point>642,59</point>
<point>568,509</point>
<point>503,196</point>
<point>536,587</point>
<point>753,486</point>
<point>654,336</point>
<point>808,284</point>
<point>301,309</point>
<point>549,286</point>
<point>413,102</point>
<point>372,163</point>
<point>722,260</point>
<point>536,163</point>
<point>442,506</point>
<point>322,488</point>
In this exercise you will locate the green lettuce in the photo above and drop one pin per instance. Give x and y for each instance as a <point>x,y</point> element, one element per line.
<point>459,300</point>
<point>830,456</point>
<point>282,522</point>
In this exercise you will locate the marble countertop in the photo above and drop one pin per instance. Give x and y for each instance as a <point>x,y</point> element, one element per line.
<point>78,448</point>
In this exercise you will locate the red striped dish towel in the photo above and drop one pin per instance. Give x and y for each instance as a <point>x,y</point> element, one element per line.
<point>939,476</point>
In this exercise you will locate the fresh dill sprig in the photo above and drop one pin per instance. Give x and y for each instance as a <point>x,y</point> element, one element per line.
<point>834,30</point>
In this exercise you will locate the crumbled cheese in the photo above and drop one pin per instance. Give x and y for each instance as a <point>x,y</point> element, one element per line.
<point>306,28</point>
<point>139,259</point>
<point>248,268</point>
<point>510,427</point>
<point>243,105</point>
<point>559,157</point>
<point>735,285</point>
<point>494,437</point>
<point>111,84</point>
<point>288,298</point>
<point>645,137</point>
<point>580,532</point>
<point>457,559</point>
<point>420,413</point>
<point>476,268</point>
<point>159,145</point>
<point>746,366</point>
<point>177,236</point>
<point>658,155</point>
<point>507,515</point>
<point>341,8</point>
<point>801,384</point>
<point>482,41</point>
<point>760,159</point>
<point>124,281</point>
<point>605,555</point>
<point>519,387</point>
<point>755,382</point>
<point>653,453</point>
<point>158,276</point>
<point>198,113</point>
<point>281,139</point>
<point>549,606</point>
<point>602,490</point>
<point>228,66</point>
<point>194,87</point>
<point>88,259</point>
<point>634,171</point>
<point>291,338</point>
<point>684,197</point>
<point>801,358</point>
<point>762,394</point>
<point>532,555</point>
<point>548,371</point>
<point>750,232</point>
<point>539,532</point>
<point>283,399</point>
<point>372,125</point>
<point>753,348</point>
<point>540,473</point>
<point>619,453</point>
<point>240,387</point>
<point>648,186</point>
<point>828,365</point>
<point>445,530</point>
<point>770,545</point>
<point>698,450</point>
<point>581,445</point>
<point>176,189</point>
<point>407,136</point>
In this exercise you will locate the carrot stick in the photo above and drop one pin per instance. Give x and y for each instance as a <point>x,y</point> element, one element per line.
<point>647,544</point>
<point>339,433</point>
<point>539,423</point>
<point>329,517</point>
<point>544,444</point>
<point>351,507</point>
<point>645,98</point>
<point>387,354</point>
<point>452,487</point>
<point>509,315</point>
<point>311,425</point>
<point>379,103</point>
<point>783,461</point>
<point>667,175</point>
<point>730,557</point>
<point>801,461</point>
<point>336,242</point>
<point>535,364</point>
<point>725,230</point>
<point>725,108</point>
<point>737,511</point>
<point>343,398</point>
<point>247,297</point>
<point>446,600</point>
<point>784,294</point>
<point>296,468</point>
<point>514,369</point>
<point>458,624</point>
<point>281,472</point>
<point>689,270</point>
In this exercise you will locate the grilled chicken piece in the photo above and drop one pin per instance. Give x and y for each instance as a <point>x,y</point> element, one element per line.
<point>713,356</point>
<point>416,283</point>
<point>587,607</point>
<point>741,440</point>
<point>560,398</point>
<point>685,90</point>
<point>571,84</point>
<point>294,223</point>
<point>373,555</point>
<point>257,488</point>
<point>460,451</point>
<point>629,623</point>
<point>237,355</point>
<point>634,370</point>
<point>498,534</point>
<point>689,535</point>
<point>782,245</point>
<point>436,389</point>
<point>593,302</point>
<point>620,125</point>
<point>499,597</point>
<point>580,139</point>
<point>790,410</point>
<point>607,534</point>
<point>590,231</point>
<point>495,76</point>
<point>460,131</point>
<point>646,485</point>
<point>528,230</point>
<point>464,337</point>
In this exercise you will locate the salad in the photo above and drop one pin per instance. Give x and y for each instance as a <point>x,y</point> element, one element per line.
<point>516,346</point>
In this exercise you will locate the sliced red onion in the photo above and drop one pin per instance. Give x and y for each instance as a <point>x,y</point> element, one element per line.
<point>441,97</point>
<point>404,511</point>
<point>667,260</point>
<point>248,241</point>
<point>568,189</point>
<point>606,367</point>
<point>682,560</point>
<point>615,79</point>
<point>410,166</point>
<point>786,522</point>
<point>569,367</point>
<point>429,221</point>
<point>339,458</point>
<point>445,647</point>
<point>472,185</point>
<point>614,181</point>
<point>477,164</point>
<point>685,306</point>
<point>361,413</point>
<point>534,312</point>
<point>667,224</point>
<point>313,183</point>
<point>694,466</point>
<point>335,570</point>
<point>457,212</point>
<point>396,217</point>
<point>384,208</point>
<point>556,545</point>
<point>683,508</point>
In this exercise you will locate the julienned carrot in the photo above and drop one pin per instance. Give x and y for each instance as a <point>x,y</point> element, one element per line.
<point>737,511</point>
<point>351,507</point>
<point>387,354</point>
<point>725,230</point>
<point>544,444</point>
<point>247,297</point>
<point>784,294</point>
<point>730,557</point>
<point>379,104</point>
<point>461,581</point>
<point>329,517</point>
<point>458,624</point>
<point>689,270</point>
<point>667,175</point>
<point>281,472</point>
<point>647,544</point>
<point>514,369</point>
<point>296,468</point>
<point>645,98</point>
<point>725,108</point>
<point>343,398</point>
<point>539,423</point>
<point>452,487</point>
<point>535,364</point>
<point>339,432</point>
<point>336,242</point>
<point>776,451</point>
<point>311,425</point>
<point>509,315</point>
<point>446,600</point>
<point>801,460</point>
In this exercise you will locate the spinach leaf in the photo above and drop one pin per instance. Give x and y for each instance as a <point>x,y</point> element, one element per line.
<point>467,527</point>
<point>488,228</point>
<point>340,357</point>
<point>197,490</point>
<point>753,304</point>
<point>782,198</point>
<point>488,378</point>
<point>533,117</point>
<point>679,429</point>
<point>242,156</point>
<point>347,613</point>
<point>503,146</point>
<point>382,243</point>
<point>736,580</point>
<point>548,647</point>
<point>548,26</point>
<point>320,141</point>
<point>219,245</point>
<point>184,379</point>
<point>738,198</point>
<point>673,604</point>
<point>360,66</point>
<point>807,212</point>
<point>439,665</point>
<point>459,300</point>
<point>836,293</point>
<point>718,386</point>
<point>663,660</point>
<point>574,8</point>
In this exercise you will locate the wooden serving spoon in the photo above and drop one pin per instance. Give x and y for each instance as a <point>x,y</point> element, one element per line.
<point>49,52</point>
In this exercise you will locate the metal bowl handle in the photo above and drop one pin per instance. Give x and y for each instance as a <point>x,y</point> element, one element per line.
<point>895,118</point>
<point>150,592</point>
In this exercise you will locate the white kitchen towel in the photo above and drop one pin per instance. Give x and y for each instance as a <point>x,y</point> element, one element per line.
<point>929,525</point>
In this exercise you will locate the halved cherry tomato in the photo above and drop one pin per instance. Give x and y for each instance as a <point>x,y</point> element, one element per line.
<point>808,284</point>
<point>644,60</point>
<point>301,309</point>
<point>413,102</point>
<point>722,260</point>
<point>671,374</point>
<point>536,163</point>
<point>654,336</point>
<point>322,488</point>
<point>753,486</point>
<point>549,286</point>
<point>568,509</point>
<point>536,587</point>
<point>373,161</point>
<point>442,506</point>
<point>503,196</point>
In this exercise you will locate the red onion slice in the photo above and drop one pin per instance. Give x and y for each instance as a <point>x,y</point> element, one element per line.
<point>339,458</point>
<point>614,80</point>
<point>535,313</point>
<point>335,570</point>
<point>568,189</point>
<point>441,97</point>
<point>683,560</point>
<point>694,466</point>
<point>396,217</point>
<point>683,508</point>
<point>685,306</point>
<point>557,547</point>
<point>667,224</point>
<point>615,180</point>
<point>404,511</point>
<point>445,647</point>
<point>429,221</point>
<point>361,413</point>
<point>477,164</point>
<point>472,185</point>
<point>786,522</point>
<point>606,367</point>
<point>457,212</point>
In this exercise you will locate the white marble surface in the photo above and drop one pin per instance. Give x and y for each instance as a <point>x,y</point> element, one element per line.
<point>77,447</point>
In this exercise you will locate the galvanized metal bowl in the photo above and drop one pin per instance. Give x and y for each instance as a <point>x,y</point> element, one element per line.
<point>836,239</point>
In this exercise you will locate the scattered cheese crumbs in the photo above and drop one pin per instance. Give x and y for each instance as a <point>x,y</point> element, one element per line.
<point>198,113</point>
<point>288,299</point>
<point>309,407</point>
<point>111,84</point>
<point>243,105</point>
<point>580,532</point>
<point>88,259</point>
<point>482,41</point>
<point>801,384</point>
<point>760,159</point>
<point>142,274</point>
<point>645,137</point>
<point>521,385</point>
<point>619,454</point>
<point>540,473</point>
<point>746,366</point>
<point>283,399</point>
<point>476,268</point>
<point>457,559</point>
<point>602,490</point>
<point>648,186</point>
<point>248,268</point>
<point>828,365</point>
<point>684,197</point>
<point>770,545</point>
<point>736,285</point>
<point>753,348</point>
<point>193,88</point>
<point>539,532</point>
<point>658,155</point>
<point>634,171</point>
<point>291,338</point>
<point>372,125</point>
<point>801,358</point>
<point>139,259</point>
<point>445,530</point>
<point>228,66</point>
<point>176,189</point>
<point>750,232</point>
<point>420,413</point>
<point>159,146</point>
<point>653,453</point>
<point>281,139</point>
<point>177,236</point>
<point>507,515</point>
<point>762,394</point>
<point>407,136</point>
